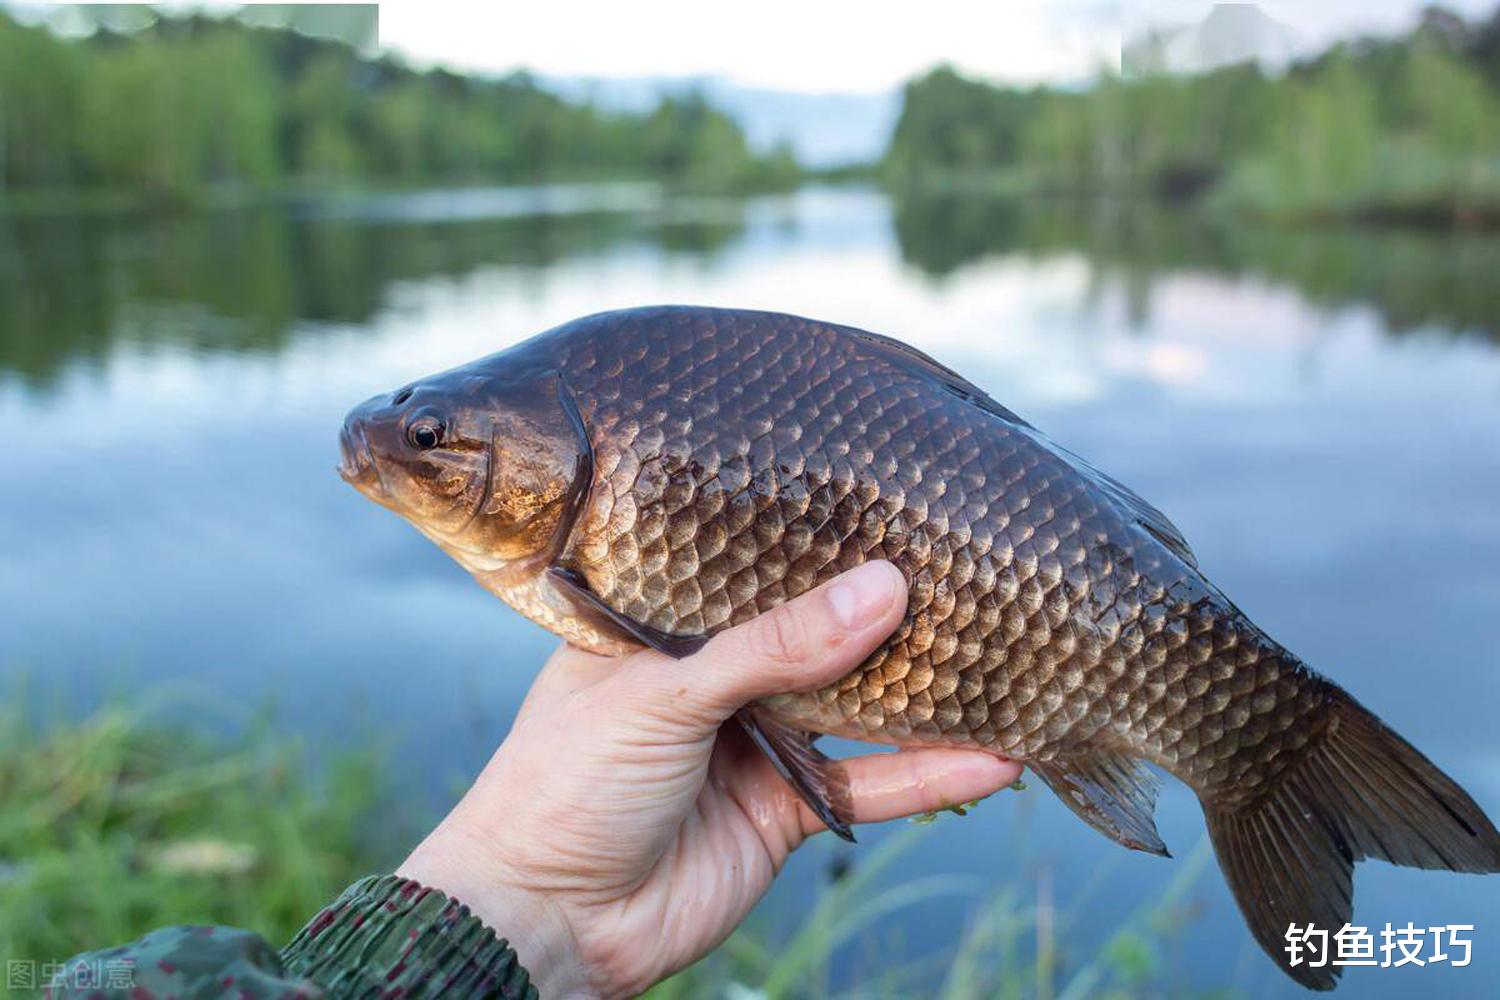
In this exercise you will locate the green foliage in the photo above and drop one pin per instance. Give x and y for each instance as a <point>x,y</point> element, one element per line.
<point>951,124</point>
<point>687,138</point>
<point>40,93</point>
<point>113,827</point>
<point>76,285</point>
<point>189,104</point>
<point>1019,942</point>
<point>1319,152</point>
<point>1406,130</point>
<point>214,123</point>
<point>1115,136</point>
<point>1447,100</point>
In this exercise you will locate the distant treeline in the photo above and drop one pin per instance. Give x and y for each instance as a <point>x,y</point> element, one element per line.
<point>1404,129</point>
<point>192,104</point>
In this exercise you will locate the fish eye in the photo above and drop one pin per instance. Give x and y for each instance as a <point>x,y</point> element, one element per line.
<point>425,433</point>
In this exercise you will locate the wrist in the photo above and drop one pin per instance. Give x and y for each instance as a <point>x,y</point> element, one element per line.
<point>535,927</point>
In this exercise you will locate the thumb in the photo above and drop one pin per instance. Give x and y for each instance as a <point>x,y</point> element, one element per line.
<point>804,644</point>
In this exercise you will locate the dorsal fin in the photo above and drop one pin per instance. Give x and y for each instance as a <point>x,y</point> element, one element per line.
<point>1144,513</point>
<point>912,360</point>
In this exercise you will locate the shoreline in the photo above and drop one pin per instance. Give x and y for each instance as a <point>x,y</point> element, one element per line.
<point>1435,215</point>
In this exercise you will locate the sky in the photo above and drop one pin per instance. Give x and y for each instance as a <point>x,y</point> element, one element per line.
<point>823,46</point>
<point>824,75</point>
<point>830,46</point>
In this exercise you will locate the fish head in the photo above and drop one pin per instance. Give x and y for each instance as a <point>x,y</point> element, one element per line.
<point>485,460</point>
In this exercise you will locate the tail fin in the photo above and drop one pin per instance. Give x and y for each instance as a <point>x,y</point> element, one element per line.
<point>1362,792</point>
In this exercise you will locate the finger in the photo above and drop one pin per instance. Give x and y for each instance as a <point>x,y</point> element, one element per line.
<point>890,785</point>
<point>882,786</point>
<point>808,642</point>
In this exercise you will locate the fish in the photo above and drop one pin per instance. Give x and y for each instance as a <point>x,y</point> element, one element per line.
<point>649,477</point>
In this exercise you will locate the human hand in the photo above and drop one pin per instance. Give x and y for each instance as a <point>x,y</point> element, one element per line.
<point>619,834</point>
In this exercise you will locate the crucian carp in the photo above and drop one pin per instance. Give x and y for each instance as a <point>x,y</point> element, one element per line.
<point>652,476</point>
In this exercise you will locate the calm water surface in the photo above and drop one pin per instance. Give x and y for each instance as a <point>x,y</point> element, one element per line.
<point>1319,413</point>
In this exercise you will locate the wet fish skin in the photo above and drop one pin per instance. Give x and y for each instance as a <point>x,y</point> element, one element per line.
<point>1040,614</point>
<point>657,475</point>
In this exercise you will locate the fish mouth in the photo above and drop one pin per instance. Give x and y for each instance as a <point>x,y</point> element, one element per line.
<point>356,462</point>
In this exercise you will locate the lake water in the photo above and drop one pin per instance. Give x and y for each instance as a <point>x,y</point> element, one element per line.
<point>1319,412</point>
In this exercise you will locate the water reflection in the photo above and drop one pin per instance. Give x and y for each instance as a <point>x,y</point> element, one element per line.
<point>72,287</point>
<point>242,281</point>
<point>172,387</point>
<point>1417,280</point>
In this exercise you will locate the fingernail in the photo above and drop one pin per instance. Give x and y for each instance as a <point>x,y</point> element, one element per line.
<point>861,594</point>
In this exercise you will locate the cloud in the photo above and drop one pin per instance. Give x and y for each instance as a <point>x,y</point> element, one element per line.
<point>1316,25</point>
<point>829,46</point>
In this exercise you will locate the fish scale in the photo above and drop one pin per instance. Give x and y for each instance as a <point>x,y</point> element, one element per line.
<point>1008,672</point>
<point>654,476</point>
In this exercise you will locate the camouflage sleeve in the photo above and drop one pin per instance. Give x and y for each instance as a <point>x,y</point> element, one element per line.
<point>384,937</point>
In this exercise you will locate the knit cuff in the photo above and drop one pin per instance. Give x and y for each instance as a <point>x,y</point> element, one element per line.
<point>389,936</point>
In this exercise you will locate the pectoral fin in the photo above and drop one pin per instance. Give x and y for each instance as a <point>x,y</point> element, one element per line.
<point>589,604</point>
<point>818,779</point>
<point>1114,794</point>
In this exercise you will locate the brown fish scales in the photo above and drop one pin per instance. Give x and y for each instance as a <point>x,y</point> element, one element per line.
<point>653,476</point>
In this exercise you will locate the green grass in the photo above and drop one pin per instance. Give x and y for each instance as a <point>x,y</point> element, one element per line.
<point>118,823</point>
<point>112,827</point>
<point>1013,948</point>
